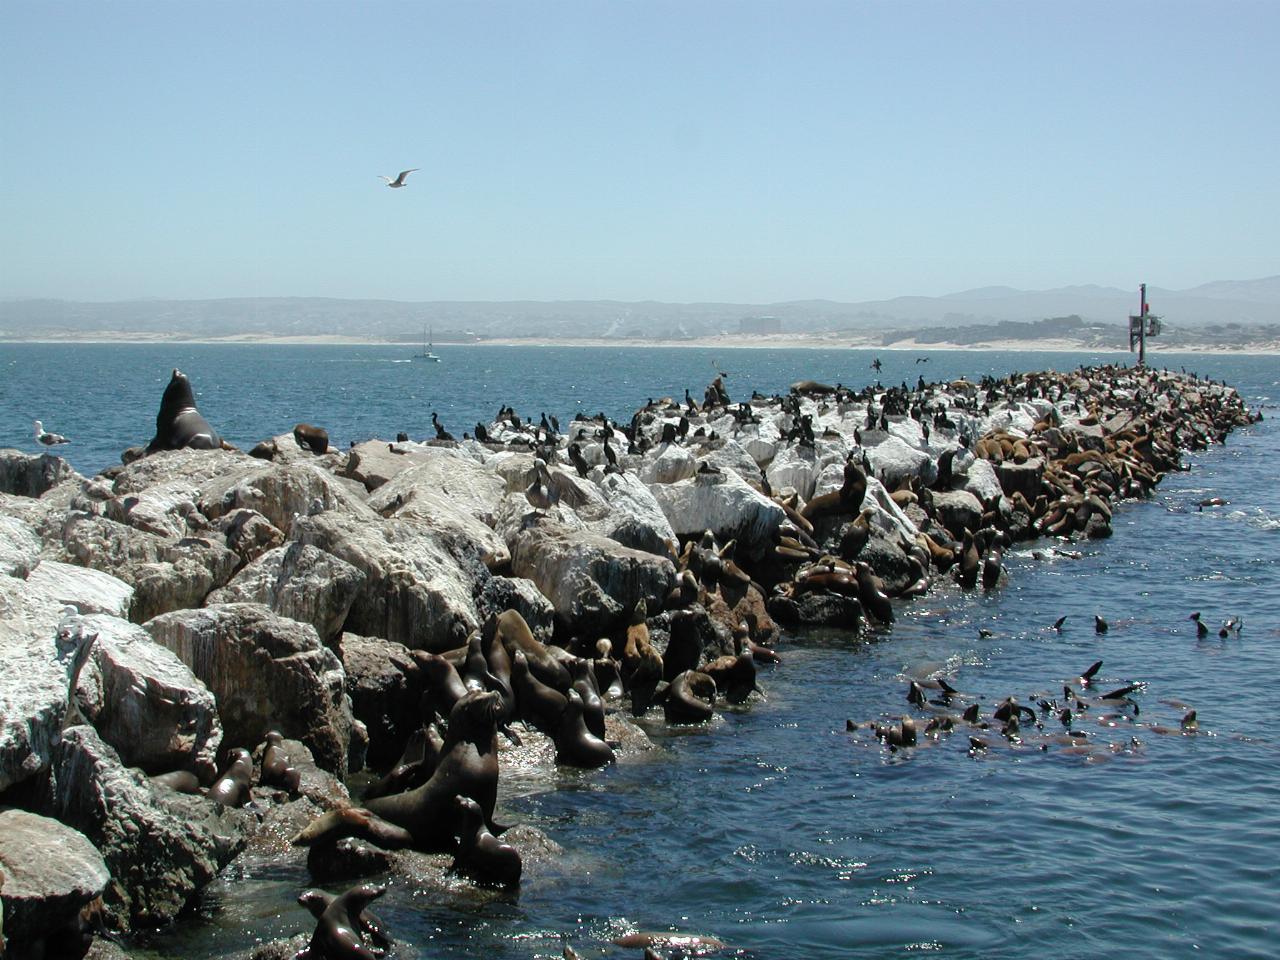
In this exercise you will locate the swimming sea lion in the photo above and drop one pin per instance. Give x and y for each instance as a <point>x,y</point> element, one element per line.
<point>344,930</point>
<point>425,818</point>
<point>179,424</point>
<point>480,855</point>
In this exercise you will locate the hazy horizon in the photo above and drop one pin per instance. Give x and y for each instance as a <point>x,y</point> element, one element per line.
<point>720,152</point>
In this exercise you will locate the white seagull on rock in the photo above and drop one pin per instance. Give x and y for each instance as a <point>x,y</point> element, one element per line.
<point>48,439</point>
<point>398,181</point>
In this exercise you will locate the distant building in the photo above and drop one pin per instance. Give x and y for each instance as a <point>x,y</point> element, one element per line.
<point>758,325</point>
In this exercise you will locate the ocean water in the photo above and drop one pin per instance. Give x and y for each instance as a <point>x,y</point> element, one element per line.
<point>775,830</point>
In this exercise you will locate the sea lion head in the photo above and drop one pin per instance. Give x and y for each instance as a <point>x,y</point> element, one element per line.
<point>315,902</point>
<point>475,714</point>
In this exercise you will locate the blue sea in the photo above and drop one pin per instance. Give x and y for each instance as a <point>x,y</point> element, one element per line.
<point>775,830</point>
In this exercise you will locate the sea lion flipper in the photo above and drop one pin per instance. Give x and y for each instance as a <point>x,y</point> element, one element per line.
<point>354,822</point>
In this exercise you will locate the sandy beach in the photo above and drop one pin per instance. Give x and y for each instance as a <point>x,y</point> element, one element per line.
<point>848,341</point>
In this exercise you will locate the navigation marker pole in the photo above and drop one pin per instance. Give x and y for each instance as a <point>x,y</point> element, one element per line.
<point>1142,325</point>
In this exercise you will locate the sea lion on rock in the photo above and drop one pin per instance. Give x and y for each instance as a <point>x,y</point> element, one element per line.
<point>480,855</point>
<point>315,439</point>
<point>576,746</point>
<point>232,788</point>
<point>276,771</point>
<point>690,698</point>
<point>426,818</point>
<point>344,928</point>
<point>179,424</point>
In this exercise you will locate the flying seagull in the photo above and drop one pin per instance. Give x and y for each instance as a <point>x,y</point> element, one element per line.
<point>48,439</point>
<point>398,181</point>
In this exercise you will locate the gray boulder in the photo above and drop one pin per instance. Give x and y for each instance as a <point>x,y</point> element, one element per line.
<point>19,547</point>
<point>516,593</point>
<point>281,492</point>
<point>161,847</point>
<point>300,582</point>
<point>958,510</point>
<point>33,684</point>
<point>141,698</point>
<point>415,592</point>
<point>266,672</point>
<point>32,474</point>
<point>385,689</point>
<point>50,872</point>
<point>88,590</point>
<point>723,503</point>
<point>592,581</point>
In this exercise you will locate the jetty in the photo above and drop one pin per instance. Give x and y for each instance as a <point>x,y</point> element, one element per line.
<point>201,647</point>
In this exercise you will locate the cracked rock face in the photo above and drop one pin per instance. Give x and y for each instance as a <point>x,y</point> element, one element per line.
<point>266,672</point>
<point>141,699</point>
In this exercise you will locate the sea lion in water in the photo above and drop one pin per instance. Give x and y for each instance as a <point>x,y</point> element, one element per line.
<point>480,855</point>
<point>343,925</point>
<point>690,698</point>
<point>179,424</point>
<point>425,818</point>
<point>576,746</point>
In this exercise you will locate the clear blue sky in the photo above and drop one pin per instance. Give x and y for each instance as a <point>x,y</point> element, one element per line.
<point>691,150</point>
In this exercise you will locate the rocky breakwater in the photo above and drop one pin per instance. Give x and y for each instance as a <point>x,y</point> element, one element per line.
<point>201,644</point>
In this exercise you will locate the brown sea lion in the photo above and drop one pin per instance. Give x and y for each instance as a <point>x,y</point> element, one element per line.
<point>515,634</point>
<point>641,663</point>
<point>307,437</point>
<point>537,704</point>
<point>425,818</point>
<point>576,746</point>
<point>232,788</point>
<point>344,930</point>
<point>480,855</point>
<point>690,698</point>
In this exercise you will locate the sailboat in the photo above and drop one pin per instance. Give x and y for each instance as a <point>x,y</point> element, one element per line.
<point>426,353</point>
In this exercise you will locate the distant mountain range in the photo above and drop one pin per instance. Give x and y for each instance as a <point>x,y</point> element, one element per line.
<point>1249,303</point>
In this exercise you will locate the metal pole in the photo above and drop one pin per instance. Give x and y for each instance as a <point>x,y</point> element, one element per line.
<point>1142,327</point>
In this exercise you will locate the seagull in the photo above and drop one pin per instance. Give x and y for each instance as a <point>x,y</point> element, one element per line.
<point>48,439</point>
<point>398,181</point>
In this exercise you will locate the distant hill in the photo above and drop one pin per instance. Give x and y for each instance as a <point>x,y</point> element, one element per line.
<point>1246,302</point>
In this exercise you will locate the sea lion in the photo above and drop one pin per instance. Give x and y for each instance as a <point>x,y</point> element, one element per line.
<point>684,649</point>
<point>232,788</point>
<point>536,703</point>
<point>576,746</point>
<point>480,855</point>
<point>443,686</point>
<point>592,705</point>
<point>641,663</point>
<point>344,930</point>
<point>515,634</point>
<point>179,424</point>
<point>871,593</point>
<point>276,771</point>
<point>307,437</point>
<point>415,766</point>
<point>425,818</point>
<point>691,698</point>
<point>180,781</point>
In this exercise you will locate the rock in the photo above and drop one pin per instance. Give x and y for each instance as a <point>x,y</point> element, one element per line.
<point>385,690</point>
<point>165,574</point>
<point>281,492</point>
<point>19,547</point>
<point>893,460</point>
<point>671,464</point>
<point>958,510</point>
<point>415,592</point>
<point>760,440</point>
<point>33,692</point>
<point>886,514</point>
<point>593,582</point>
<point>731,455</point>
<point>449,490</point>
<point>888,560</point>
<point>141,698</point>
<point>267,672</point>
<point>300,582</point>
<point>633,517</point>
<point>516,593</point>
<point>817,609</point>
<point>249,534</point>
<point>983,482</point>
<point>50,873</point>
<point>1024,478</point>
<point>89,591</point>
<point>373,462</point>
<point>795,467</point>
<point>724,504</point>
<point>161,846</point>
<point>32,474</point>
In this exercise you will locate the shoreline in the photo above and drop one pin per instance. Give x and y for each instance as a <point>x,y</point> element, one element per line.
<point>726,342</point>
